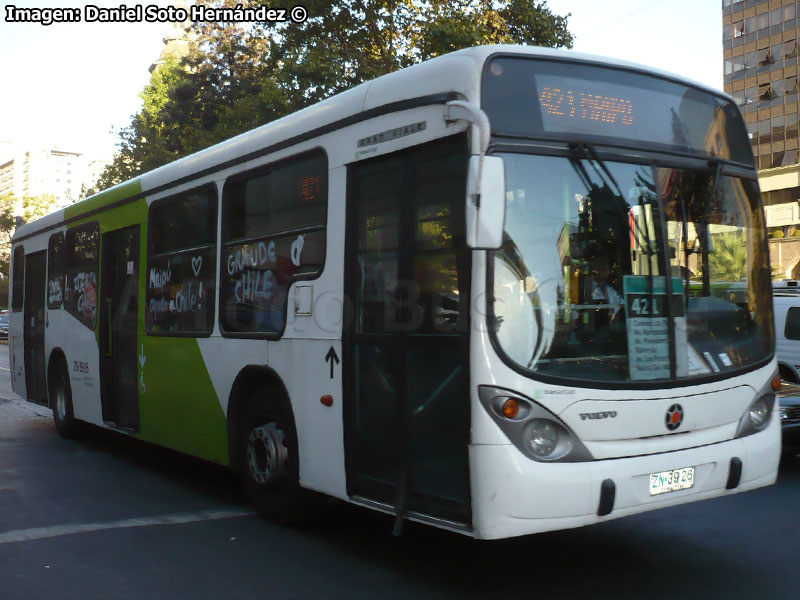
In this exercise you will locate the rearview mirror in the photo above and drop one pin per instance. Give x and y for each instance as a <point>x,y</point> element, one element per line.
<point>486,202</point>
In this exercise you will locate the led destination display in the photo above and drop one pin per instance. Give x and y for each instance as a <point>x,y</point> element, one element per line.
<point>576,103</point>
<point>582,102</point>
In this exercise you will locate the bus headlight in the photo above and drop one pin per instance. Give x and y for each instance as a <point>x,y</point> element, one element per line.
<point>543,437</point>
<point>757,415</point>
<point>533,429</point>
<point>548,440</point>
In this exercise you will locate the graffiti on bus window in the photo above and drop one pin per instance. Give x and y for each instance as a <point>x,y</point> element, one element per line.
<point>79,264</point>
<point>82,296</point>
<point>55,271</point>
<point>257,275</point>
<point>180,292</point>
<point>55,292</point>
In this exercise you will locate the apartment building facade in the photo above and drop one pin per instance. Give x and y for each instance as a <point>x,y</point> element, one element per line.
<point>762,73</point>
<point>46,170</point>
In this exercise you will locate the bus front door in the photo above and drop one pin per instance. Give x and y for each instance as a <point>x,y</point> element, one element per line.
<point>119,320</point>
<point>33,336</point>
<point>406,351</point>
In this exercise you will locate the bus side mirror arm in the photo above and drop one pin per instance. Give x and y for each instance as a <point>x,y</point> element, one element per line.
<point>486,208</point>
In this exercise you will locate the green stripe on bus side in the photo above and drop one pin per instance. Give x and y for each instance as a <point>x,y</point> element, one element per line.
<point>179,407</point>
<point>134,213</point>
<point>120,192</point>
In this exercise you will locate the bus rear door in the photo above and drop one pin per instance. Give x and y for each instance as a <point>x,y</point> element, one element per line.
<point>35,292</point>
<point>119,320</point>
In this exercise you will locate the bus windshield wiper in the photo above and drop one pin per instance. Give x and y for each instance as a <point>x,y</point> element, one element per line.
<point>589,154</point>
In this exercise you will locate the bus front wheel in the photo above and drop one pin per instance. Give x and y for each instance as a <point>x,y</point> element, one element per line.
<point>269,464</point>
<point>61,402</point>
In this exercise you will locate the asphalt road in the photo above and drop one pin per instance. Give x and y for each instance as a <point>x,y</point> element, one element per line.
<point>108,518</point>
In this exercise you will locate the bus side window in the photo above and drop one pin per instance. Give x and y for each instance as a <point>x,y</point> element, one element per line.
<point>18,283</point>
<point>81,261</point>
<point>182,264</point>
<point>792,328</point>
<point>273,233</point>
<point>55,271</point>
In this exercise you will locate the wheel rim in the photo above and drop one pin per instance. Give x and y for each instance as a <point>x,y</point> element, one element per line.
<point>267,454</point>
<point>61,402</point>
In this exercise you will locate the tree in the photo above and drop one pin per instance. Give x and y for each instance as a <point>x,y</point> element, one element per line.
<point>728,259</point>
<point>346,42</point>
<point>31,207</point>
<point>222,88</point>
<point>148,142</point>
<point>239,77</point>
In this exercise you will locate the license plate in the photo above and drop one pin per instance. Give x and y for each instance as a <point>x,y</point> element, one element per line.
<point>670,481</point>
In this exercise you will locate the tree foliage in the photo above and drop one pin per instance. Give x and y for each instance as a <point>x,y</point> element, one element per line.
<point>727,260</point>
<point>31,207</point>
<point>238,77</point>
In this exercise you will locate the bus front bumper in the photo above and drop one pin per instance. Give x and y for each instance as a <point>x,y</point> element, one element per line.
<point>514,495</point>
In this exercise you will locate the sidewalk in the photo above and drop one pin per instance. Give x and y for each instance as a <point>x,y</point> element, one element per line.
<point>7,395</point>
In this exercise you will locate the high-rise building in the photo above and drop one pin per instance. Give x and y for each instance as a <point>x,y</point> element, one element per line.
<point>46,170</point>
<point>760,50</point>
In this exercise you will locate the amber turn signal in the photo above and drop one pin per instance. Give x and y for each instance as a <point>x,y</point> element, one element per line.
<point>776,383</point>
<point>327,400</point>
<point>510,408</point>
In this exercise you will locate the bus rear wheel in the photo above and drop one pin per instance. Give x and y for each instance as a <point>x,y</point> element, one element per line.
<point>269,465</point>
<point>61,402</point>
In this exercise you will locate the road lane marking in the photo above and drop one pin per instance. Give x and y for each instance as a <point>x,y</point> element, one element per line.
<point>39,533</point>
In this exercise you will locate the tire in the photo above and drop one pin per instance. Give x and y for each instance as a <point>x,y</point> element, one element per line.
<point>268,460</point>
<point>60,393</point>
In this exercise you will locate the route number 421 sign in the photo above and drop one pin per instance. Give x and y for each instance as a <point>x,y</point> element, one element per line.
<point>646,318</point>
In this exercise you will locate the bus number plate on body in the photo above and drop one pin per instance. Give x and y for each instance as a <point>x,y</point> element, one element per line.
<point>670,481</point>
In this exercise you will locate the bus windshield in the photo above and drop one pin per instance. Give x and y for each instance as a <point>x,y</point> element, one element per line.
<point>591,252</point>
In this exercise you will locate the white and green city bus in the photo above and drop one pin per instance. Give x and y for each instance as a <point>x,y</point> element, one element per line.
<point>477,293</point>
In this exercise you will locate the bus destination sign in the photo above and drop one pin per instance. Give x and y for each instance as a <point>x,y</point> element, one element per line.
<point>570,101</point>
<point>580,104</point>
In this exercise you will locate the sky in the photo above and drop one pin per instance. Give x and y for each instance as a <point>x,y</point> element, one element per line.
<point>73,84</point>
<point>678,36</point>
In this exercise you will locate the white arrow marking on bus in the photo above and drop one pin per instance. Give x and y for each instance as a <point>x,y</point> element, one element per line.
<point>142,357</point>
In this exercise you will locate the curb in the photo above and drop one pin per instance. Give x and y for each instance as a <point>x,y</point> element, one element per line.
<point>37,409</point>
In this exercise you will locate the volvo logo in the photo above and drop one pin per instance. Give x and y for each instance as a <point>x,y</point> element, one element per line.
<point>599,415</point>
<point>674,417</point>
